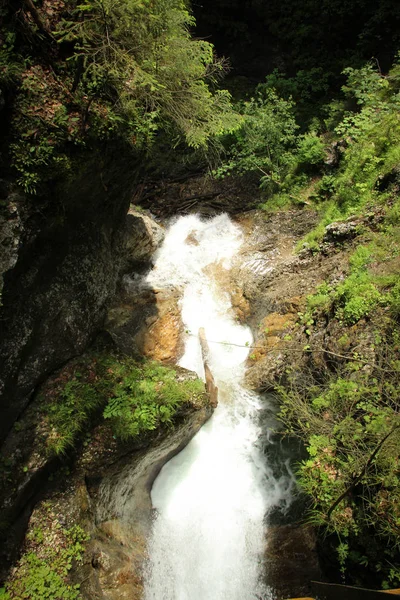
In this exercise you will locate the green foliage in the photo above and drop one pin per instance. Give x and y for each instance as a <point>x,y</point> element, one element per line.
<point>127,71</point>
<point>304,86</point>
<point>262,144</point>
<point>321,301</point>
<point>43,574</point>
<point>350,427</point>
<point>394,300</point>
<point>70,412</point>
<point>361,292</point>
<point>311,150</point>
<point>136,397</point>
<point>356,297</point>
<point>349,421</point>
<point>364,134</point>
<point>146,396</point>
<point>143,55</point>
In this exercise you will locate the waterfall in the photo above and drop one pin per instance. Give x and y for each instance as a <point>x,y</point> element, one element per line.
<point>211,500</point>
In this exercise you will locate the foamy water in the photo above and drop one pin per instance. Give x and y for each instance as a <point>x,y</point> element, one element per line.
<point>211,499</point>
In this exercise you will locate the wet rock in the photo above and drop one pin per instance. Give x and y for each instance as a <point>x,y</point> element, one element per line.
<point>240,305</point>
<point>107,492</point>
<point>62,258</point>
<point>191,239</point>
<point>291,560</point>
<point>11,229</point>
<point>148,323</point>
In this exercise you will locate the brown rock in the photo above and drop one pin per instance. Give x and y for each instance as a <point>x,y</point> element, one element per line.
<point>191,239</point>
<point>240,305</point>
<point>163,339</point>
<point>275,323</point>
<point>149,324</point>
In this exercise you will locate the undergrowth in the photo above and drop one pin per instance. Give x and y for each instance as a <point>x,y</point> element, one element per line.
<point>42,571</point>
<point>134,396</point>
<point>348,411</point>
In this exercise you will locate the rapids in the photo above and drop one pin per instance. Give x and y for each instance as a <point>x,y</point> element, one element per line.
<point>213,498</point>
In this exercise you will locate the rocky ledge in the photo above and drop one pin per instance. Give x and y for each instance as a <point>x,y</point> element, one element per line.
<point>103,487</point>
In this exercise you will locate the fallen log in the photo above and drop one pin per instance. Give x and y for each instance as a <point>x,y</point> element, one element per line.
<point>210,383</point>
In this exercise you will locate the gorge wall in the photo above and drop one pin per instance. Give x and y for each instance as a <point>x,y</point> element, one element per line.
<point>65,252</point>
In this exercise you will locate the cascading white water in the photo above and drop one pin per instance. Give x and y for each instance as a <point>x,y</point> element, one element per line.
<point>212,498</point>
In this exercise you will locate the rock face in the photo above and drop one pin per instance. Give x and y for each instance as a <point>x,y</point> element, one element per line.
<point>123,512</point>
<point>11,230</point>
<point>107,493</point>
<point>147,322</point>
<point>291,560</point>
<point>61,259</point>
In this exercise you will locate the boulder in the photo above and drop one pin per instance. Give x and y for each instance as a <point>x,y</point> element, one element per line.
<point>142,238</point>
<point>341,231</point>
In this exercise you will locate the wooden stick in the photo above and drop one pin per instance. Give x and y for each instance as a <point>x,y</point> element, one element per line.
<point>210,383</point>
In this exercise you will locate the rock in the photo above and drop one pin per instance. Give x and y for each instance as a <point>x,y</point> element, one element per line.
<point>123,510</point>
<point>191,239</point>
<point>142,238</point>
<point>62,257</point>
<point>147,323</point>
<point>107,491</point>
<point>334,153</point>
<point>11,229</point>
<point>341,231</point>
<point>291,560</point>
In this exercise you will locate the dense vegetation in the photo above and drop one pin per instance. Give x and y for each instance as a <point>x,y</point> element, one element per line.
<point>134,397</point>
<point>310,42</point>
<point>78,75</point>
<point>42,571</point>
<point>345,408</point>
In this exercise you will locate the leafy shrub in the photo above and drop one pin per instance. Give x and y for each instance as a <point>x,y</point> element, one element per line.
<point>356,297</point>
<point>321,300</point>
<point>311,150</point>
<point>68,415</point>
<point>126,71</point>
<point>351,430</point>
<point>263,144</point>
<point>136,396</point>
<point>147,396</point>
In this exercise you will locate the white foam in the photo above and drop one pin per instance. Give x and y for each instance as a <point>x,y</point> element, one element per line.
<point>208,538</point>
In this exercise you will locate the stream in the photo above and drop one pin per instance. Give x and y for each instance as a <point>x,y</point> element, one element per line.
<point>213,499</point>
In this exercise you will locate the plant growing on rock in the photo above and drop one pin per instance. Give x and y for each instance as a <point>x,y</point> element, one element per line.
<point>135,396</point>
<point>350,424</point>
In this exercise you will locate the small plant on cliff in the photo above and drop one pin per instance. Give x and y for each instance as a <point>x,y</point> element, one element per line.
<point>42,571</point>
<point>147,396</point>
<point>137,396</point>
